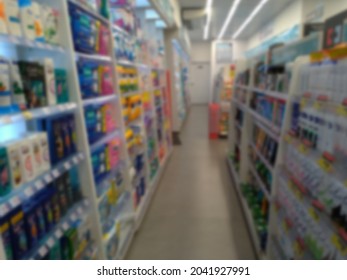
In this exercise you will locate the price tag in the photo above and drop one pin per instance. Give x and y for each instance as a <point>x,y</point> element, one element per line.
<point>39,185</point>
<point>73,217</point>
<point>65,226</point>
<point>46,111</point>
<point>29,192</point>
<point>48,178</point>
<point>303,148</point>
<point>4,209</point>
<point>14,201</point>
<point>50,242</point>
<point>27,115</point>
<point>56,173</point>
<point>58,234</point>
<point>43,251</point>
<point>303,102</point>
<point>75,159</point>
<point>67,165</point>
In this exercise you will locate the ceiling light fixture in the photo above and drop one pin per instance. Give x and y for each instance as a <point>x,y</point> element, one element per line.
<point>250,17</point>
<point>228,20</point>
<point>208,22</point>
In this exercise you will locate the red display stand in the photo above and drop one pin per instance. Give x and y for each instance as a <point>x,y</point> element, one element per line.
<point>214,109</point>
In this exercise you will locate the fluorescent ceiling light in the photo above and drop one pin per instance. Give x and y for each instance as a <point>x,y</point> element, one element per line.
<point>250,17</point>
<point>142,4</point>
<point>209,12</point>
<point>228,20</point>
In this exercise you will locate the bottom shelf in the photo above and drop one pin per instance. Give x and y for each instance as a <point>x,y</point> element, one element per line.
<point>247,212</point>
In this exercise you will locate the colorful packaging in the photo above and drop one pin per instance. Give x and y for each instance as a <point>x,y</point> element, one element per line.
<point>40,217</point>
<point>27,160</point>
<point>5,234</point>
<point>106,81</point>
<point>5,92</point>
<point>16,166</point>
<point>18,234</point>
<point>3,24</point>
<point>36,7</point>
<point>5,175</point>
<point>34,138</point>
<point>27,16</point>
<point>63,201</point>
<point>34,84</point>
<point>48,208</point>
<point>17,87</point>
<point>32,231</point>
<point>13,17</point>
<point>50,22</point>
<point>61,86</point>
<point>50,81</point>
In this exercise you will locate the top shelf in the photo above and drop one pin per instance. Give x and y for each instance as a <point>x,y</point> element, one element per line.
<point>89,11</point>
<point>270,93</point>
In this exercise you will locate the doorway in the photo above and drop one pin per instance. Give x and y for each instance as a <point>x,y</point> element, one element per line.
<point>200,83</point>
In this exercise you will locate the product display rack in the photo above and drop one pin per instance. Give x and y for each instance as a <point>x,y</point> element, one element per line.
<point>255,170</point>
<point>85,213</point>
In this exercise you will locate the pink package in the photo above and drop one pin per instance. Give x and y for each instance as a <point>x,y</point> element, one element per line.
<point>104,42</point>
<point>106,80</point>
<point>113,153</point>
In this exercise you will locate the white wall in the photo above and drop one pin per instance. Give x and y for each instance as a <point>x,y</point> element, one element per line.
<point>333,7</point>
<point>201,51</point>
<point>289,17</point>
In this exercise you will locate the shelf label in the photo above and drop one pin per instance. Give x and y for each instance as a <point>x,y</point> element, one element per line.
<point>58,234</point>
<point>48,178</point>
<point>39,185</point>
<point>65,226</point>
<point>43,251</point>
<point>14,201</point>
<point>75,159</point>
<point>73,217</point>
<point>67,165</point>
<point>46,111</point>
<point>29,192</point>
<point>79,210</point>
<point>4,209</point>
<point>50,242</point>
<point>56,173</point>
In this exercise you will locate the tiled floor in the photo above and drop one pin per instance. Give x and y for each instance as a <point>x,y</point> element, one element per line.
<point>195,213</point>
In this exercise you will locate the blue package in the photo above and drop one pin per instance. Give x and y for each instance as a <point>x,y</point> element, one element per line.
<point>32,231</point>
<point>99,163</point>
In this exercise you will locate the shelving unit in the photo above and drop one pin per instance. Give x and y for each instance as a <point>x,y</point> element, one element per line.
<point>110,238</point>
<point>246,117</point>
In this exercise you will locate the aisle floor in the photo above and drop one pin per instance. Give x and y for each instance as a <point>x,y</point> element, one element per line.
<point>195,213</point>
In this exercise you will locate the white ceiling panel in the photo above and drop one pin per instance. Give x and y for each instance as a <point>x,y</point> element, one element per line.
<point>220,10</point>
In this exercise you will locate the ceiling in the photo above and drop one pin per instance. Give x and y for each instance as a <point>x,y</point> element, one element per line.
<point>220,10</point>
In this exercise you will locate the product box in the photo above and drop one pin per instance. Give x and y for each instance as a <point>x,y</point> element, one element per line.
<point>5,175</point>
<point>61,86</point>
<point>39,35</point>
<point>13,17</point>
<point>17,86</point>
<point>34,140</point>
<point>31,226</point>
<point>34,84</point>
<point>27,18</point>
<point>27,159</point>
<point>50,22</point>
<point>16,166</point>
<point>18,234</point>
<point>5,92</point>
<point>3,24</point>
<point>50,81</point>
<point>5,234</point>
<point>44,147</point>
